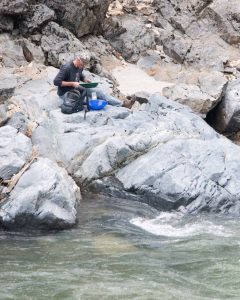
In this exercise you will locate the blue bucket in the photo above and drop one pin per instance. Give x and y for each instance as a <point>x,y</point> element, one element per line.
<point>97,104</point>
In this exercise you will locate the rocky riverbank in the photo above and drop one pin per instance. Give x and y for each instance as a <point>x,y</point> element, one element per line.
<point>160,151</point>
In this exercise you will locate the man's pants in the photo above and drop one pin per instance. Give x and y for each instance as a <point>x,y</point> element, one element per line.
<point>104,96</point>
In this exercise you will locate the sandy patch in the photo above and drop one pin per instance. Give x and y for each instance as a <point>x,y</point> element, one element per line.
<point>132,79</point>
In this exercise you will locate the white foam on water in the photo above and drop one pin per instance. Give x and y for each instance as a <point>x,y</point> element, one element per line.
<point>173,225</point>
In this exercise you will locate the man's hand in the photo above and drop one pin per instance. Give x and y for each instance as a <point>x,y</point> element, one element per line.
<point>75,84</point>
<point>87,80</point>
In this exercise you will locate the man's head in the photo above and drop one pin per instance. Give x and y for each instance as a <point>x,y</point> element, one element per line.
<point>81,60</point>
<point>78,63</point>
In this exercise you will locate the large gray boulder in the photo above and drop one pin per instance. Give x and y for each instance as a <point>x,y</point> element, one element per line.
<point>15,150</point>
<point>135,41</point>
<point>17,52</point>
<point>184,163</point>
<point>3,115</point>
<point>37,95</point>
<point>44,197</point>
<point>225,14</point>
<point>177,48</point>
<point>11,52</point>
<point>162,154</point>
<point>202,98</point>
<point>80,17</point>
<point>201,34</point>
<point>60,45</point>
<point>192,96</point>
<point>37,16</point>
<point>213,83</point>
<point>14,7</point>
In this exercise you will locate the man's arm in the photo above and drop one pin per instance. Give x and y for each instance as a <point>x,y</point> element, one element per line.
<point>74,84</point>
<point>60,79</point>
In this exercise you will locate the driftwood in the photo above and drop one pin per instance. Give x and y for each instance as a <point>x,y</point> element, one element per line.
<point>14,180</point>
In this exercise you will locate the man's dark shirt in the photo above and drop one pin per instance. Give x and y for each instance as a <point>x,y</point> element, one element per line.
<point>68,72</point>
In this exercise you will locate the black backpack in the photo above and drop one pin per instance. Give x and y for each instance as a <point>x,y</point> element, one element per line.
<point>73,101</point>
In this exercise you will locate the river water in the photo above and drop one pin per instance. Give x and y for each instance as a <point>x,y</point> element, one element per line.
<point>124,250</point>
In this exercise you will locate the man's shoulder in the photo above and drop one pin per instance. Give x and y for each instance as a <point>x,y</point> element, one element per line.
<point>67,66</point>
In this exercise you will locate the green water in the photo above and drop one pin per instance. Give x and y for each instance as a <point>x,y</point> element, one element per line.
<point>123,250</point>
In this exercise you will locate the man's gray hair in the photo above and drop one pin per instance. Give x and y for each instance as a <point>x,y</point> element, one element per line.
<point>84,57</point>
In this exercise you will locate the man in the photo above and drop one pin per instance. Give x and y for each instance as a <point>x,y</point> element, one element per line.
<point>69,76</point>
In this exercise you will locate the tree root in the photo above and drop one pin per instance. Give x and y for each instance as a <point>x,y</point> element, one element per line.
<point>11,183</point>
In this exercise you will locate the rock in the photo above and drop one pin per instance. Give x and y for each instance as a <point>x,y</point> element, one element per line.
<point>189,33</point>
<point>19,121</point>
<point>36,98</point>
<point>213,83</point>
<point>226,115</point>
<point>103,150</point>
<point>226,16</point>
<point>112,28</point>
<point>14,7</point>
<point>3,115</point>
<point>187,158</point>
<point>80,17</point>
<point>33,97</point>
<point>233,64</point>
<point>135,41</point>
<point>44,197</point>
<point>32,52</point>
<point>37,16</point>
<point>15,150</point>
<point>177,48</point>
<point>141,97</point>
<point>192,167</point>
<point>60,45</point>
<point>191,95</point>
<point>6,23</point>
<point>41,139</point>
<point>144,7</point>
<point>186,170</point>
<point>8,84</point>
<point>210,53</point>
<point>11,52</point>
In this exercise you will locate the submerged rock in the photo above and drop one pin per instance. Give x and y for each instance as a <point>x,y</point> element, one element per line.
<point>44,197</point>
